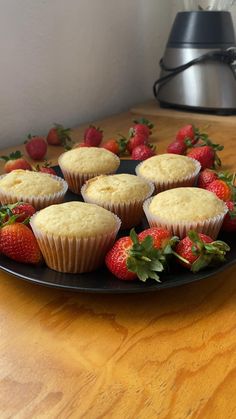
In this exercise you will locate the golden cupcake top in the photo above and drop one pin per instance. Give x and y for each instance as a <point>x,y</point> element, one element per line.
<point>29,183</point>
<point>74,219</point>
<point>117,188</point>
<point>186,204</point>
<point>89,160</point>
<point>168,167</point>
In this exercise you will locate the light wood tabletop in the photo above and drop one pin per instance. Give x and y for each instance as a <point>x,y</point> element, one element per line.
<point>167,354</point>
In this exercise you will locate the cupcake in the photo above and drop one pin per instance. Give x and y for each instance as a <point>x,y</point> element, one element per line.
<point>81,164</point>
<point>183,209</point>
<point>37,188</point>
<point>74,236</point>
<point>122,194</point>
<point>168,171</point>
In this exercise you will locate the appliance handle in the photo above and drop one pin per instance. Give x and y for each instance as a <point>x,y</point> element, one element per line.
<point>226,56</point>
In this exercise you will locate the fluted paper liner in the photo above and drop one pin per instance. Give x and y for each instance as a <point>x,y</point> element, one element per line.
<point>210,226</point>
<point>76,180</point>
<point>164,185</point>
<point>38,201</point>
<point>130,212</point>
<point>74,255</point>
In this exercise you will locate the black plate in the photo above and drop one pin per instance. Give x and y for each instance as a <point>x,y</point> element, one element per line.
<point>102,281</point>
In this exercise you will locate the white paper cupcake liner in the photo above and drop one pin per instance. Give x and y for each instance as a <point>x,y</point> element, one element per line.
<point>130,212</point>
<point>38,201</point>
<point>161,186</point>
<point>76,180</point>
<point>210,226</point>
<point>74,255</point>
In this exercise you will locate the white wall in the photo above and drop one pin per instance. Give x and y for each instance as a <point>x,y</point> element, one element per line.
<point>72,61</point>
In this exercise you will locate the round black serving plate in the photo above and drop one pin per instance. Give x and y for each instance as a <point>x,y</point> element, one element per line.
<point>102,281</point>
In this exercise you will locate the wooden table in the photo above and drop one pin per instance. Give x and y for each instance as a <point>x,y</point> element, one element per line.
<point>169,354</point>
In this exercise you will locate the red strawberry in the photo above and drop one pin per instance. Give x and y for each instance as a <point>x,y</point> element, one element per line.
<point>112,145</point>
<point>141,130</point>
<point>15,161</point>
<point>19,243</point>
<point>23,210</point>
<point>36,147</point>
<point>177,147</point>
<point>131,257</point>
<point>221,189</point>
<point>229,223</point>
<point>205,155</point>
<point>186,133</point>
<point>142,152</point>
<point>160,236</point>
<point>135,141</point>
<point>205,177</point>
<point>116,146</point>
<point>142,127</point>
<point>60,136</point>
<point>116,259</point>
<point>46,168</point>
<point>196,251</point>
<point>93,136</point>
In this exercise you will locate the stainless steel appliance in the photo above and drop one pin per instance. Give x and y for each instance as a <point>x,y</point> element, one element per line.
<point>198,69</point>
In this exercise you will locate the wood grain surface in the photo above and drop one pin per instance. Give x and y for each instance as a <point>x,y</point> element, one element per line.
<point>170,354</point>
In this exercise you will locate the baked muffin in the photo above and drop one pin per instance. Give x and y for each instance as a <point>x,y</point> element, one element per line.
<point>83,163</point>
<point>37,188</point>
<point>168,171</point>
<point>74,236</point>
<point>182,209</point>
<point>122,194</point>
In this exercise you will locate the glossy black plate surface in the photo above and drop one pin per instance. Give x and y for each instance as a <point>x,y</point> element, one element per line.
<point>102,281</point>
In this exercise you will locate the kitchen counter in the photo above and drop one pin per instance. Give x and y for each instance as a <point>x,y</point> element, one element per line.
<point>167,354</point>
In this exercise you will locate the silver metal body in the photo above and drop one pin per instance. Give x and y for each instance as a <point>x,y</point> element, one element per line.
<point>209,85</point>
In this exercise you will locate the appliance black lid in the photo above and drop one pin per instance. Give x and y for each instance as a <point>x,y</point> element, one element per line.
<point>202,28</point>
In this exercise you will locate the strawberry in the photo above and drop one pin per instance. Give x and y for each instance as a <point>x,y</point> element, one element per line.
<point>205,177</point>
<point>15,161</point>
<point>141,127</point>
<point>197,251</point>
<point>18,242</point>
<point>134,141</point>
<point>36,147</point>
<point>142,152</point>
<point>177,147</point>
<point>46,168</point>
<point>116,146</point>
<point>160,236</point>
<point>140,256</point>
<point>22,211</point>
<point>93,136</point>
<point>58,135</point>
<point>229,223</point>
<point>205,155</point>
<point>221,189</point>
<point>186,133</point>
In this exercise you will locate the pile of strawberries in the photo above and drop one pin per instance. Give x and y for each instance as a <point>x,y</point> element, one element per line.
<point>36,148</point>
<point>135,144</point>
<point>191,142</point>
